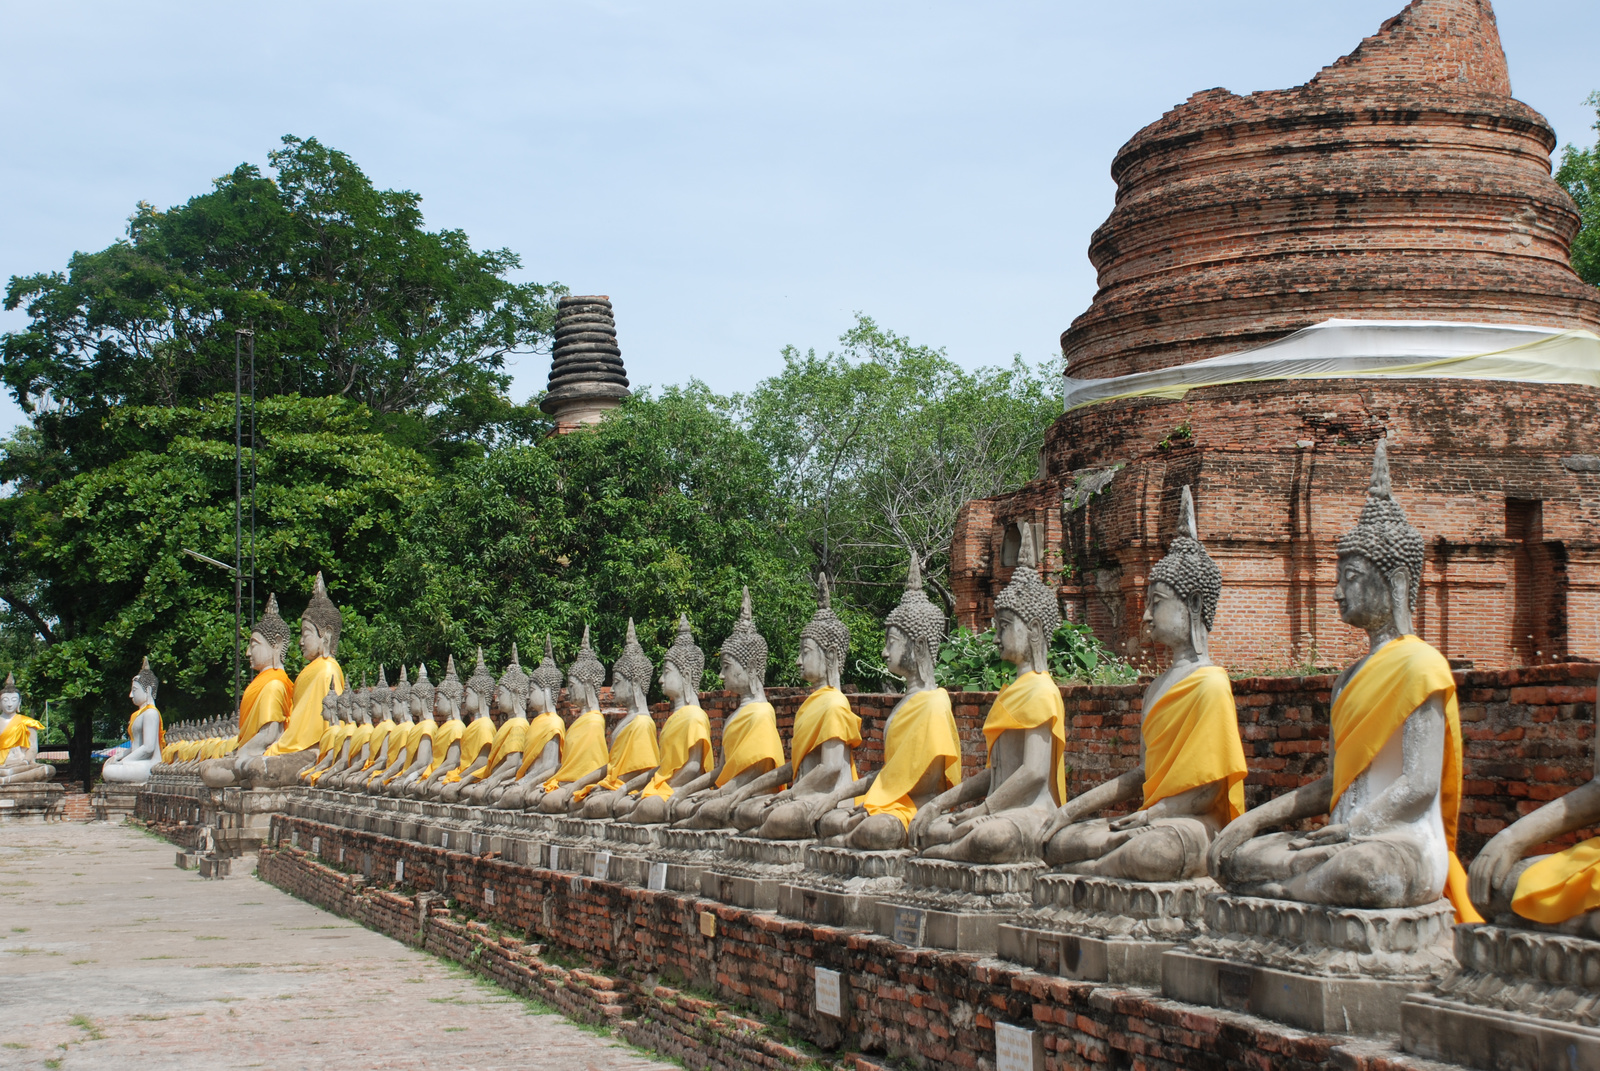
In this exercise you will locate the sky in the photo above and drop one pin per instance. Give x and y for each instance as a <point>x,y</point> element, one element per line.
<point>736,176</point>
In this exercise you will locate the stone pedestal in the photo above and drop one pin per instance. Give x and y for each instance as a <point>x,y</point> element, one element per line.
<point>1327,969</point>
<point>625,851</point>
<point>689,853</point>
<point>38,801</point>
<point>945,904</point>
<point>113,801</point>
<point>577,842</point>
<point>841,886</point>
<point>240,819</point>
<point>753,870</point>
<point>1104,929</point>
<point>1520,998</point>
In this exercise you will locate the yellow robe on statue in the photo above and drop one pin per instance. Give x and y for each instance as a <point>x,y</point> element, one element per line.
<point>749,737</point>
<point>825,715</point>
<point>445,735</point>
<point>426,729</point>
<point>1395,680</point>
<point>169,752</point>
<point>583,751</point>
<point>267,700</point>
<point>382,733</point>
<point>541,730</point>
<point>1560,886</point>
<point>476,738</point>
<point>1191,738</point>
<point>632,752</point>
<point>922,734</point>
<point>1032,700</point>
<point>306,723</point>
<point>688,729</point>
<point>360,737</point>
<point>15,734</point>
<point>161,729</point>
<point>510,740</point>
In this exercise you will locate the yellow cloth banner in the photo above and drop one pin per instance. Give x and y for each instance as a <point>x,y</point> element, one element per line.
<point>306,723</point>
<point>1560,886</point>
<point>541,730</point>
<point>632,752</point>
<point>1191,738</point>
<point>1397,679</point>
<point>921,734</point>
<point>266,700</point>
<point>161,729</point>
<point>824,716</point>
<point>687,729</point>
<point>583,751</point>
<point>15,734</point>
<point>510,740</point>
<point>475,739</point>
<point>750,736</point>
<point>1032,700</point>
<point>381,735</point>
<point>445,735</point>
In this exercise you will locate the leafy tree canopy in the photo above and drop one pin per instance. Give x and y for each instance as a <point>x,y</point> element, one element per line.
<point>1580,175</point>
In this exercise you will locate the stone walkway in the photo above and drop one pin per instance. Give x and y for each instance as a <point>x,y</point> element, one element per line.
<point>110,957</point>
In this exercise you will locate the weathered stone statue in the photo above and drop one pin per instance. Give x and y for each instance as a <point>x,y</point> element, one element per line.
<point>685,742</point>
<point>358,752</point>
<point>751,746</point>
<point>319,642</point>
<point>633,756</point>
<point>388,734</point>
<point>583,750</point>
<point>264,708</point>
<point>331,742</point>
<point>424,732</point>
<point>406,734</point>
<point>541,751</point>
<point>19,741</point>
<point>505,753</point>
<point>1190,777</point>
<point>921,748</point>
<point>1394,792</point>
<point>477,740</point>
<point>445,747</point>
<point>145,733</point>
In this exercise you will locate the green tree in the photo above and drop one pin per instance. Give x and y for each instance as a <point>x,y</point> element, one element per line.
<point>1579,174</point>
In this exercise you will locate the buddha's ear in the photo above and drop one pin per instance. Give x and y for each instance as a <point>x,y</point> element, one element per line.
<point>1199,635</point>
<point>1400,598</point>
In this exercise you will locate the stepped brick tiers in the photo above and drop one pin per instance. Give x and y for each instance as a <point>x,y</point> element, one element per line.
<point>1396,210</point>
<point>587,378</point>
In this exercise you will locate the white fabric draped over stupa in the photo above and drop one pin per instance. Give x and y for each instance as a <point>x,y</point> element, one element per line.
<point>1371,349</point>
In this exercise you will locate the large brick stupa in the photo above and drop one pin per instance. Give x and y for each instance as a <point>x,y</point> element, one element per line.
<point>1317,245</point>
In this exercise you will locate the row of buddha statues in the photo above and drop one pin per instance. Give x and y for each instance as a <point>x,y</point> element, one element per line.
<point>1391,797</point>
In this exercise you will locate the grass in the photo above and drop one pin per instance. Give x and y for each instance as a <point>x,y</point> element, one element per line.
<point>84,1023</point>
<point>20,929</point>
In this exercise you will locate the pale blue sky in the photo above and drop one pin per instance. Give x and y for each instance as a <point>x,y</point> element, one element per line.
<point>736,176</point>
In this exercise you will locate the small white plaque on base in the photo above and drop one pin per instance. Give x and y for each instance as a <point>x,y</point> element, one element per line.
<point>602,865</point>
<point>488,895</point>
<point>658,877</point>
<point>316,847</point>
<point>399,870</point>
<point>1016,1049</point>
<point>828,997</point>
<point>555,857</point>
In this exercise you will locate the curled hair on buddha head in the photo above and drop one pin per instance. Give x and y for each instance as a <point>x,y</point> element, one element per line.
<point>586,668</point>
<point>322,613</point>
<point>422,689</point>
<point>515,681</point>
<point>633,665</point>
<point>482,681</point>
<point>1027,596</point>
<point>547,675</point>
<point>745,645</point>
<point>1187,569</point>
<point>451,687</point>
<point>825,629</point>
<point>346,704</point>
<point>381,692</point>
<point>1383,535</point>
<point>330,707</point>
<point>916,615</point>
<point>686,655</point>
<point>147,679</point>
<point>402,688</point>
<point>272,627</point>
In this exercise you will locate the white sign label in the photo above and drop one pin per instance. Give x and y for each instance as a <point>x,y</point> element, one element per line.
<point>576,885</point>
<point>828,1002</point>
<point>602,865</point>
<point>1016,1049</point>
<point>488,895</point>
<point>399,870</point>
<point>658,877</point>
<point>555,857</point>
<point>316,847</point>
<point>341,855</point>
<point>294,839</point>
<point>8,803</point>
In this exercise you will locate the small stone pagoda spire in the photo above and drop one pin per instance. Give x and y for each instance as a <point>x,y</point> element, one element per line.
<point>586,374</point>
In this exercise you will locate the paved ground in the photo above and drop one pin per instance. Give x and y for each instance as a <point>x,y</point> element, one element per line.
<point>110,957</point>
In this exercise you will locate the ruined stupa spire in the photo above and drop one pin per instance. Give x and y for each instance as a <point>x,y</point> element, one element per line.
<point>586,373</point>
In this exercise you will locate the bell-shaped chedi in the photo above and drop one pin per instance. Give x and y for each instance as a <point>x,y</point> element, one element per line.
<point>586,373</point>
<point>1402,182</point>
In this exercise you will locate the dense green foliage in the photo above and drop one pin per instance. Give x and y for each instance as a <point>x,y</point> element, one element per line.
<point>1580,175</point>
<point>971,661</point>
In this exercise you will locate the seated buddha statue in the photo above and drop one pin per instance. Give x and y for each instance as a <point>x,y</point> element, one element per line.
<point>921,748</point>
<point>510,740</point>
<point>424,733</point>
<point>822,748</point>
<point>332,744</point>
<point>477,739</point>
<point>382,746</point>
<point>264,707</point>
<point>633,755</point>
<point>685,741</point>
<point>1560,890</point>
<point>19,741</point>
<point>1394,791</point>
<point>583,748</point>
<point>541,751</point>
<point>132,765</point>
<point>446,745</point>
<point>295,747</point>
<point>1190,777</point>
<point>398,698</point>
<point>751,746</point>
<point>353,707</point>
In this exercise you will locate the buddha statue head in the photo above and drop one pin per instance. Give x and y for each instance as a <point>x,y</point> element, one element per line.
<point>10,698</point>
<point>824,641</point>
<point>1181,602</point>
<point>744,655</point>
<point>450,698</point>
<point>631,673</point>
<point>480,688</point>
<point>913,632</point>
<point>269,638</point>
<point>320,624</point>
<point>145,685</point>
<point>400,699</point>
<point>360,703</point>
<point>422,694</point>
<point>331,712</point>
<point>511,691</point>
<point>1380,561</point>
<point>544,683</point>
<point>382,698</point>
<point>1026,613</point>
<point>344,703</point>
<point>585,676</point>
<point>683,665</point>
